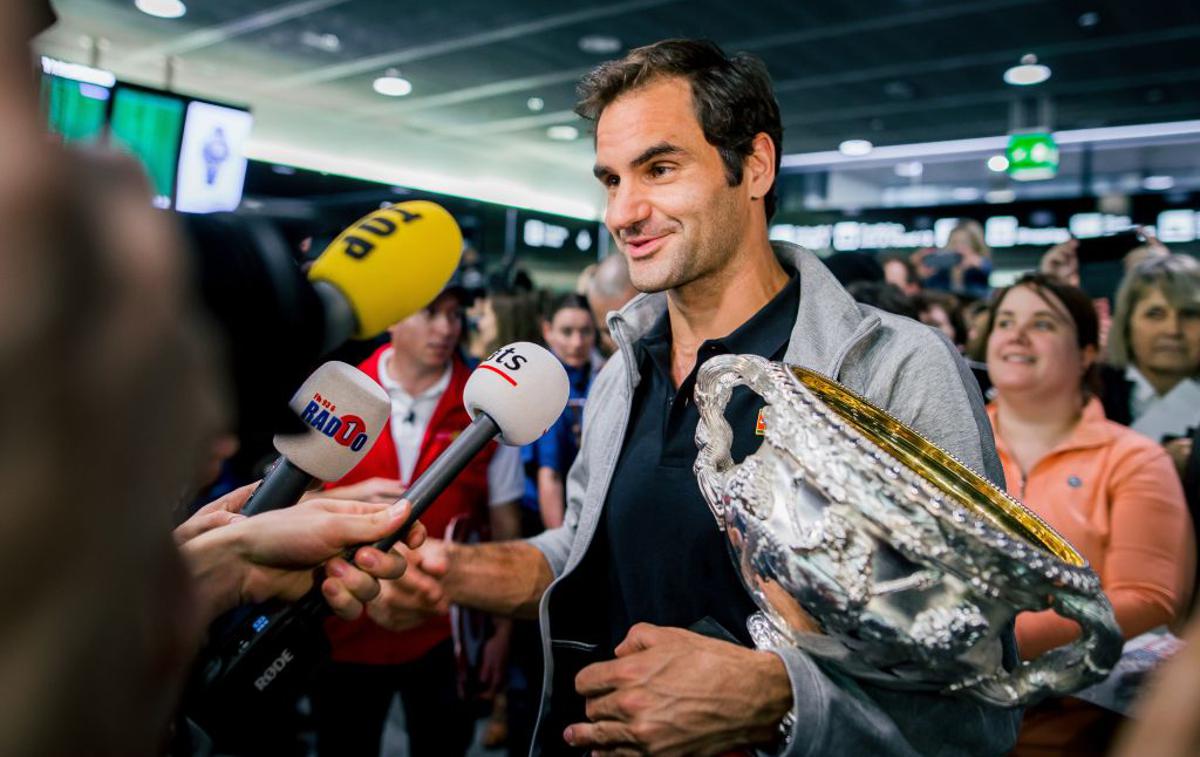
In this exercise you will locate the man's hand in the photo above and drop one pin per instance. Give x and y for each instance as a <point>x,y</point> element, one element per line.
<point>418,595</point>
<point>379,490</point>
<point>220,512</point>
<point>672,691</point>
<point>1062,262</point>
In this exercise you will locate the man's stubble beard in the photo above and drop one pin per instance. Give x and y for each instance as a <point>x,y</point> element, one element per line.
<point>697,258</point>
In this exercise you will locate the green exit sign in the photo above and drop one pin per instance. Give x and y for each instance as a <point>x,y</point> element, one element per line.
<point>1032,157</point>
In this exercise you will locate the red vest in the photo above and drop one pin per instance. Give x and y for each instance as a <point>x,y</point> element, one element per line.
<point>363,641</point>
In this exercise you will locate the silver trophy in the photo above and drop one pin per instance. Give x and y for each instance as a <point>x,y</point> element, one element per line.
<point>868,546</point>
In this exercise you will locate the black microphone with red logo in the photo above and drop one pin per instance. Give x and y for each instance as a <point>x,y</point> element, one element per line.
<point>516,394</point>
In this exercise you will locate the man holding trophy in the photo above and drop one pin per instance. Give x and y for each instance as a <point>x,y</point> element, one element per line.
<point>643,613</point>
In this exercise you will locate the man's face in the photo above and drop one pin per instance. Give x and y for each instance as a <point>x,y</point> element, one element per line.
<point>670,207</point>
<point>428,338</point>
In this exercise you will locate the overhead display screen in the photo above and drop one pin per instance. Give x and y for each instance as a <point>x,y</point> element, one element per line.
<point>75,110</point>
<point>212,160</point>
<point>149,125</point>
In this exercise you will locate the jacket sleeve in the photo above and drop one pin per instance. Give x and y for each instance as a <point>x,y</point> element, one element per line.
<point>555,544</point>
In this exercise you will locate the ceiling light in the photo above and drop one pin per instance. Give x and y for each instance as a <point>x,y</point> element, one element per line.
<point>997,163</point>
<point>392,84</point>
<point>1158,183</point>
<point>562,133</point>
<point>161,8</point>
<point>599,44</point>
<point>965,194</point>
<point>1028,73</point>
<point>1000,196</point>
<point>536,104</point>
<point>329,43</point>
<point>1089,19</point>
<point>855,147</point>
<point>910,169</point>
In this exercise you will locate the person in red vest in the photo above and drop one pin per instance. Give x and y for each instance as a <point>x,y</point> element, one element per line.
<point>424,374</point>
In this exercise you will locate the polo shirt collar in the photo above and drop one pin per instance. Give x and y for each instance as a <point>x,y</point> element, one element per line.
<point>766,333</point>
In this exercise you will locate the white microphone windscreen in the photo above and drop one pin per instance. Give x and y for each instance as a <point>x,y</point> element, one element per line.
<point>522,387</point>
<point>344,412</point>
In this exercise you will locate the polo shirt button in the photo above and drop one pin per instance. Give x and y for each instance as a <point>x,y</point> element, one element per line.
<point>1074,482</point>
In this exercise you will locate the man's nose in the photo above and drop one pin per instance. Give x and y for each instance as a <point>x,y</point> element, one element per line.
<point>626,207</point>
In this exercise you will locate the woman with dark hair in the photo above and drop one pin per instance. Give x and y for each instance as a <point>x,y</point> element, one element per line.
<point>1110,491</point>
<point>570,333</point>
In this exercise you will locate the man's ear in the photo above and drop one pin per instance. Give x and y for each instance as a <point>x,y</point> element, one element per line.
<point>759,166</point>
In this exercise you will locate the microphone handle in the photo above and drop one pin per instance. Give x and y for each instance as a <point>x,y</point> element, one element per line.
<point>421,495</point>
<point>440,473</point>
<point>340,322</point>
<point>283,487</point>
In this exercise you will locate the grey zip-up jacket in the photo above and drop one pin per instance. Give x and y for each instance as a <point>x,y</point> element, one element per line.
<point>901,365</point>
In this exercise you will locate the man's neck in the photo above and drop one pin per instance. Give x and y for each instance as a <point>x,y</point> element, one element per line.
<point>412,376</point>
<point>715,306</point>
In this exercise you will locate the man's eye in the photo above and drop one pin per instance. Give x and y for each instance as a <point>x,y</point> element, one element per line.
<point>658,170</point>
<point>611,181</point>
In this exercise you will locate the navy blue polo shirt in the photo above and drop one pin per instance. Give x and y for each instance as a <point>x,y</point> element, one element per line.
<point>668,563</point>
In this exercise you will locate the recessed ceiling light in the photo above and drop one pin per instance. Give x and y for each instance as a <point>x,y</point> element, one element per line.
<point>599,44</point>
<point>161,8</point>
<point>910,169</point>
<point>1089,19</point>
<point>330,43</point>
<point>536,104</point>
<point>392,84</point>
<point>899,90</point>
<point>562,133</point>
<point>1000,196</point>
<point>1028,73</point>
<point>1158,183</point>
<point>854,148</point>
<point>997,163</point>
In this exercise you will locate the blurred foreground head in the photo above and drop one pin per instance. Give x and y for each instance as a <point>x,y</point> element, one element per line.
<point>109,394</point>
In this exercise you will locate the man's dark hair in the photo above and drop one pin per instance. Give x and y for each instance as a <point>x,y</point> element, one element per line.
<point>732,95</point>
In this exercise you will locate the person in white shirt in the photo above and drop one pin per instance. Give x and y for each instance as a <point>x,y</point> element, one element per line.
<point>1154,344</point>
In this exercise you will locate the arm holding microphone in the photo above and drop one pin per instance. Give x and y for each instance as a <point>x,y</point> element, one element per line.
<point>273,555</point>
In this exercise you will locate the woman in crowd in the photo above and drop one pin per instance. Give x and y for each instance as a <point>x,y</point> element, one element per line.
<point>570,333</point>
<point>943,312</point>
<point>503,318</point>
<point>1110,491</point>
<point>1154,350</point>
<point>963,267</point>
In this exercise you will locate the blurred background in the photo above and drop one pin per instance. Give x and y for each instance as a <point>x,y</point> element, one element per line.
<point>1038,119</point>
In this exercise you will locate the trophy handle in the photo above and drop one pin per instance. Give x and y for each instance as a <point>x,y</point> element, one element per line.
<point>714,386</point>
<point>1063,669</point>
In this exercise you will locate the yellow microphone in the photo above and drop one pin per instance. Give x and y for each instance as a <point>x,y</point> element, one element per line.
<point>387,266</point>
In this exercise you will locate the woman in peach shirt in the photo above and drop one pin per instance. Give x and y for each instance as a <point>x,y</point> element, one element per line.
<point>1111,492</point>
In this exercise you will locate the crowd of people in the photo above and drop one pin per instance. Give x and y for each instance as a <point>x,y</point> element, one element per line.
<point>617,619</point>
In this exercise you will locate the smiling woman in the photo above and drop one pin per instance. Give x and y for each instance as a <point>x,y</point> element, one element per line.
<point>1109,490</point>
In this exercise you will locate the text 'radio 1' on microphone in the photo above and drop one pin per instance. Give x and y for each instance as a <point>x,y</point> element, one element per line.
<point>515,394</point>
<point>343,412</point>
